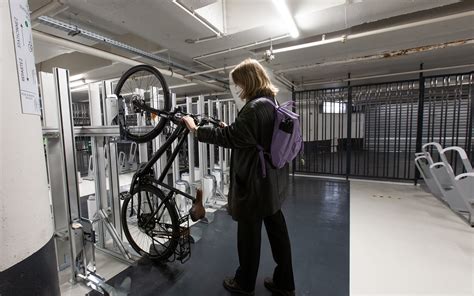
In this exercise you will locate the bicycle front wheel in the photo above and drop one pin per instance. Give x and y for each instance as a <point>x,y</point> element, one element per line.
<point>145,84</point>
<point>150,223</point>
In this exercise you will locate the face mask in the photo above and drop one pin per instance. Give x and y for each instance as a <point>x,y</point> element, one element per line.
<point>236,91</point>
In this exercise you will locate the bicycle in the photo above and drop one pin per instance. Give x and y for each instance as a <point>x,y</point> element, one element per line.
<point>150,218</point>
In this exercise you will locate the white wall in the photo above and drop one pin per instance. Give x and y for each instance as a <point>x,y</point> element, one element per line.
<point>327,122</point>
<point>25,215</point>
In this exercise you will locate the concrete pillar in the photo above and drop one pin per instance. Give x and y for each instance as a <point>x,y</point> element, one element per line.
<point>27,261</point>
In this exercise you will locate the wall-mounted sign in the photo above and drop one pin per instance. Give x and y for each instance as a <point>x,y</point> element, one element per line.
<point>25,59</point>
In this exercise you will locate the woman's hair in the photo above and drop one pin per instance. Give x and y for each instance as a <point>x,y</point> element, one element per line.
<point>253,79</point>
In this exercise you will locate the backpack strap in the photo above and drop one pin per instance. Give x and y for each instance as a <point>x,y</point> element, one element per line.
<point>270,101</point>
<point>288,104</point>
<point>261,151</point>
<point>284,105</point>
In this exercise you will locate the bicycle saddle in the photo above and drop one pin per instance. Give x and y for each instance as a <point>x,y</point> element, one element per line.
<point>197,211</point>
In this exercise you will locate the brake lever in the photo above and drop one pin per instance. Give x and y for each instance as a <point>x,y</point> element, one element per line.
<point>211,120</point>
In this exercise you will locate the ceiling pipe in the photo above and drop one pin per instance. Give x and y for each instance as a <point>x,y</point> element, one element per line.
<point>344,38</point>
<point>209,95</point>
<point>204,64</point>
<point>203,39</point>
<point>271,39</point>
<point>182,85</point>
<point>112,57</point>
<point>384,55</point>
<point>209,38</point>
<point>279,77</point>
<point>412,25</point>
<point>385,75</point>
<point>214,70</point>
<point>74,30</point>
<point>284,80</point>
<point>199,18</point>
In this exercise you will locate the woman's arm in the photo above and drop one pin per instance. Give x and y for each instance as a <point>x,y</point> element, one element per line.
<point>240,134</point>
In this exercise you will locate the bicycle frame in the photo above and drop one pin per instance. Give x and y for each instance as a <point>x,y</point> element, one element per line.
<point>146,168</point>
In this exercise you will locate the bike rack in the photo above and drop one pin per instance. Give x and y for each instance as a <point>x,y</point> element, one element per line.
<point>78,238</point>
<point>454,191</point>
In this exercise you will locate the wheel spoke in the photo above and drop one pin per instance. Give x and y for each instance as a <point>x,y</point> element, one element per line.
<point>152,228</point>
<point>145,78</point>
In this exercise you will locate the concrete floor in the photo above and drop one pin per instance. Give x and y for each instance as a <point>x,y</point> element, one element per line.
<point>403,241</point>
<point>317,215</point>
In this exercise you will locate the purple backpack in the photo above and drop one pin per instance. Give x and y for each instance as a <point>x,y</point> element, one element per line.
<point>287,141</point>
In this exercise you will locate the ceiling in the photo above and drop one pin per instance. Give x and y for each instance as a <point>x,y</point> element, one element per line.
<point>160,25</point>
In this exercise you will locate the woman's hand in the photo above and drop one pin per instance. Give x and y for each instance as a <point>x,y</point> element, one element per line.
<point>222,124</point>
<point>190,124</point>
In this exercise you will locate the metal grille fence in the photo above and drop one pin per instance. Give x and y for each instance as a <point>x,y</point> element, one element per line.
<point>323,121</point>
<point>448,114</point>
<point>373,130</point>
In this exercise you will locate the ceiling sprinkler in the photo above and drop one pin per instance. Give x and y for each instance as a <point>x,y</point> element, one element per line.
<point>268,55</point>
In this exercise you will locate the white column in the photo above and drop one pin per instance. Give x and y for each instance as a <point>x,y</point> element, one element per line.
<point>26,223</point>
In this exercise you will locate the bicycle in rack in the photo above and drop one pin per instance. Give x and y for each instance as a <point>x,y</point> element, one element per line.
<point>151,220</point>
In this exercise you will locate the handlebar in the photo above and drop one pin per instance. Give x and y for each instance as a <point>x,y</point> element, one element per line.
<point>176,115</point>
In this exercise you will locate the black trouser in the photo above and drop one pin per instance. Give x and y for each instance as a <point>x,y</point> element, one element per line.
<point>248,244</point>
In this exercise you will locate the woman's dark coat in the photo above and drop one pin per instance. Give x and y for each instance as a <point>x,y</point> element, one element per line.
<point>251,196</point>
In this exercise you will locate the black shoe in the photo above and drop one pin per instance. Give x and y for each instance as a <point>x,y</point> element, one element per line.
<point>232,286</point>
<point>268,283</point>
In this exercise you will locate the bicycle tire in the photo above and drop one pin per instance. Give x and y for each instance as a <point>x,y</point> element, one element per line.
<point>171,209</point>
<point>166,96</point>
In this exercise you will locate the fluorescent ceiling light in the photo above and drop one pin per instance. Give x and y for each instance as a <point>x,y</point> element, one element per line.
<point>182,85</point>
<point>375,32</point>
<point>79,83</point>
<point>309,44</point>
<point>76,77</point>
<point>284,11</point>
<point>80,88</point>
<point>196,16</point>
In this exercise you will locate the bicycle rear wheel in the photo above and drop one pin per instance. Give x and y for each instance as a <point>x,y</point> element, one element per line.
<point>146,85</point>
<point>151,224</point>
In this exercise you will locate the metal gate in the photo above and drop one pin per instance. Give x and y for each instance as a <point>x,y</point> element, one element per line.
<point>373,130</point>
<point>323,119</point>
<point>388,117</point>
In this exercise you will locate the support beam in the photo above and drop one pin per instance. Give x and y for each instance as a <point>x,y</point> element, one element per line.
<point>215,70</point>
<point>383,55</point>
<point>386,75</point>
<point>113,57</point>
<point>240,47</point>
<point>344,38</point>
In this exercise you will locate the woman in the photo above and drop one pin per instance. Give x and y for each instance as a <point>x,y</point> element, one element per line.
<point>253,199</point>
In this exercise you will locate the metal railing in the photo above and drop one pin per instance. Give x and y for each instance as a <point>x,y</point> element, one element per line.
<point>373,130</point>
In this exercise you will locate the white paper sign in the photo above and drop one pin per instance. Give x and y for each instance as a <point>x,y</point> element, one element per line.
<point>25,59</point>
